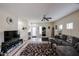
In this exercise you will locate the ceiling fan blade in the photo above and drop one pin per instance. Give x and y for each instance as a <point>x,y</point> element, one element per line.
<point>45,18</point>
<point>49,18</point>
<point>42,20</point>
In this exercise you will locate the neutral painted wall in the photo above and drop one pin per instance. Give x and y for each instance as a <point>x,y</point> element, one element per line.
<point>23,33</point>
<point>73,17</point>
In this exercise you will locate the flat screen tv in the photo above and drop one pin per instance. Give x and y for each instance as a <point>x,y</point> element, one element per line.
<point>9,35</point>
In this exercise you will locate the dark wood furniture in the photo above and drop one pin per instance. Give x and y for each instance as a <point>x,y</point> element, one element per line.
<point>8,45</point>
<point>11,39</point>
<point>45,38</point>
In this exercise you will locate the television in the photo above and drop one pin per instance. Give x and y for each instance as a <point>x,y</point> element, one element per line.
<point>10,35</point>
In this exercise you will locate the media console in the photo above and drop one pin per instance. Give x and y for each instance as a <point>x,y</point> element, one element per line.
<point>8,45</point>
<point>11,39</point>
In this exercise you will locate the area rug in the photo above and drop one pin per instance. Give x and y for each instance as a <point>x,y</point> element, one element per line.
<point>42,49</point>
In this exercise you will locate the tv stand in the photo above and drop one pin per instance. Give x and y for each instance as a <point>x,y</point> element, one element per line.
<point>8,45</point>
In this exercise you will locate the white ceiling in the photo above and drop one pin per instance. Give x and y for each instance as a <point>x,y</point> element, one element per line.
<point>35,11</point>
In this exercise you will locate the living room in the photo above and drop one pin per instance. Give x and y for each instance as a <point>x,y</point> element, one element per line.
<point>39,29</point>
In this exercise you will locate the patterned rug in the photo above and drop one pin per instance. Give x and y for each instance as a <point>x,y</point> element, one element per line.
<point>42,49</point>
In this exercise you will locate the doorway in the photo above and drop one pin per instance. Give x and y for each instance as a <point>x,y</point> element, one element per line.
<point>36,33</point>
<point>43,31</point>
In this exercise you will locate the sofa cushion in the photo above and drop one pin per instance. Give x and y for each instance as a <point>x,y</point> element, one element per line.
<point>74,40</point>
<point>66,51</point>
<point>69,39</point>
<point>64,37</point>
<point>77,46</point>
<point>64,43</point>
<point>57,37</point>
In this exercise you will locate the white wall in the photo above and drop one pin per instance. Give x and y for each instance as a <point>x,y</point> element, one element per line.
<point>23,33</point>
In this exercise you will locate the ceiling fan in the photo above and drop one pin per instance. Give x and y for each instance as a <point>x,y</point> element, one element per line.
<point>45,18</point>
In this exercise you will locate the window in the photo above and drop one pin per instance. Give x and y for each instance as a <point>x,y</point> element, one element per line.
<point>60,27</point>
<point>69,25</point>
